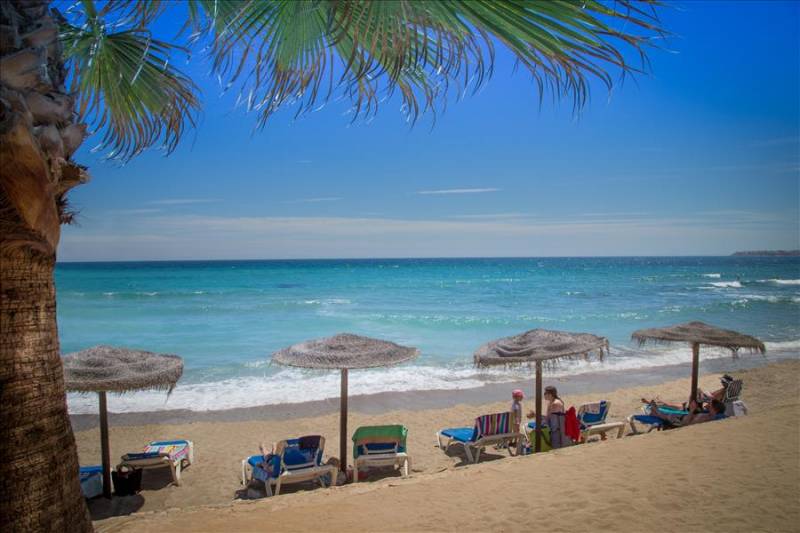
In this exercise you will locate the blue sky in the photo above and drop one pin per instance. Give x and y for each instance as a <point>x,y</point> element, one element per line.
<point>700,157</point>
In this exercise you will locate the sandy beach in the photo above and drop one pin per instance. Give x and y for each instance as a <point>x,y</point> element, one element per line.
<point>741,474</point>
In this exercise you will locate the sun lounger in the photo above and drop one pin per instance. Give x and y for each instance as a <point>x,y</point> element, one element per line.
<point>654,422</point>
<point>91,481</point>
<point>488,430</point>
<point>592,418</point>
<point>291,461</point>
<point>658,423</point>
<point>380,446</point>
<point>173,454</point>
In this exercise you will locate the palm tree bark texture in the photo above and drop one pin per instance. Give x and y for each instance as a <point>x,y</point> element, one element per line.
<point>39,486</point>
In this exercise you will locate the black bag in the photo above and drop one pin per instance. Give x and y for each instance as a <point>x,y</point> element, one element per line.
<point>127,482</point>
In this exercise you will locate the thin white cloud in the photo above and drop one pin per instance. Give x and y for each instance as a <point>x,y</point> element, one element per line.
<point>314,200</point>
<point>304,161</point>
<point>183,201</point>
<point>609,215</point>
<point>218,237</point>
<point>459,191</point>
<point>491,216</point>
<point>144,211</point>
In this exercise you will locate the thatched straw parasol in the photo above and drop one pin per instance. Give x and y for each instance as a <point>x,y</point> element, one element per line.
<point>343,352</point>
<point>104,369</point>
<point>697,333</point>
<point>539,346</point>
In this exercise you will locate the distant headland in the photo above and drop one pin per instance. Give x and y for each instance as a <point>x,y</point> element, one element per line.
<point>771,253</point>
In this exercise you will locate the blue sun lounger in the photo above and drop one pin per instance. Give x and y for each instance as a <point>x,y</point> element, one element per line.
<point>488,430</point>
<point>654,422</point>
<point>592,418</point>
<point>291,461</point>
<point>658,423</point>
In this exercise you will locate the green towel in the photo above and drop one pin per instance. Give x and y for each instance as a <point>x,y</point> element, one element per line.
<point>545,438</point>
<point>379,435</point>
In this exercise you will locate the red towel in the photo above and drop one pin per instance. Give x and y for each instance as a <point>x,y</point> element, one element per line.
<point>572,428</point>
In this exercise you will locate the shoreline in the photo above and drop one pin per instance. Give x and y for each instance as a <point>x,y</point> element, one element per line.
<point>596,382</point>
<point>443,484</point>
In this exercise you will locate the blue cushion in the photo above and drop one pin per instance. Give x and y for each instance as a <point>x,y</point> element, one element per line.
<point>378,447</point>
<point>142,455</point>
<point>263,470</point>
<point>295,456</point>
<point>169,443</point>
<point>91,469</point>
<point>460,434</point>
<point>649,420</point>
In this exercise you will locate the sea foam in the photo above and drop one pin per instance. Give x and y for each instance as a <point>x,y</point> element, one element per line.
<point>285,385</point>
<point>727,284</point>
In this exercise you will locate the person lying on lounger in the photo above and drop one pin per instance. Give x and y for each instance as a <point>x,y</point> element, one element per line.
<point>695,415</point>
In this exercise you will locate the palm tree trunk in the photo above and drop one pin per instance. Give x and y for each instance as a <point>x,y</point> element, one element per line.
<point>39,486</point>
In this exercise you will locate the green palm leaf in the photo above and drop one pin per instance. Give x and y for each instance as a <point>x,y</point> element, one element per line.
<point>422,47</point>
<point>302,52</point>
<point>126,85</point>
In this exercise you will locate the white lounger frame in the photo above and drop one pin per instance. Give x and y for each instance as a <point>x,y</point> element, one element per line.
<point>392,458</point>
<point>601,428</point>
<point>294,473</point>
<point>162,461</point>
<point>473,449</point>
<point>635,430</point>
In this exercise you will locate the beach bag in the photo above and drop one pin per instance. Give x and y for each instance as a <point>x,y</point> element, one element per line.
<point>127,482</point>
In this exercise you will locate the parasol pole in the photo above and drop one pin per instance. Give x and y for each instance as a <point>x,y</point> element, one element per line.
<point>538,443</point>
<point>104,451</point>
<point>343,423</point>
<point>695,369</point>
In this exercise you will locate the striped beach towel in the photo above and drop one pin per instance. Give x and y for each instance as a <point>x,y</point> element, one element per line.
<point>175,449</point>
<point>494,424</point>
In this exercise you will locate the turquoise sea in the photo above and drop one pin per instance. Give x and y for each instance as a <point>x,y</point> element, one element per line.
<point>225,318</point>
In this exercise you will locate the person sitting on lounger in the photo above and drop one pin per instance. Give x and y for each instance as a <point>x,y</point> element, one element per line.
<point>718,394</point>
<point>554,417</point>
<point>703,401</point>
<point>695,415</point>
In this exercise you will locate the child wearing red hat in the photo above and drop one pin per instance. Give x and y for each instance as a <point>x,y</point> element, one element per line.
<point>516,409</point>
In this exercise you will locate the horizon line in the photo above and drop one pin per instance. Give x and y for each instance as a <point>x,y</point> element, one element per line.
<point>405,258</point>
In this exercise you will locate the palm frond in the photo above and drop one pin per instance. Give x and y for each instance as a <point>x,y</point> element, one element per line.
<point>126,85</point>
<point>284,51</point>
<point>301,52</point>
